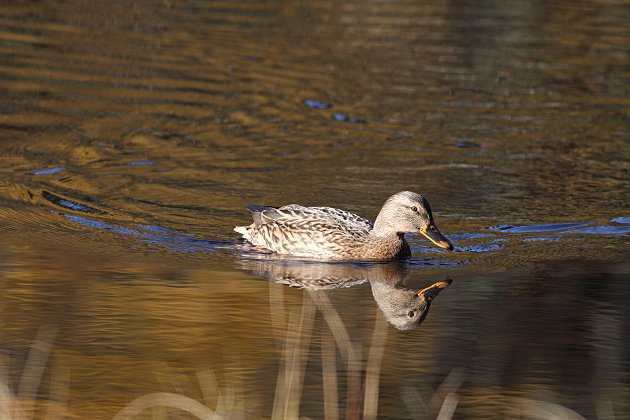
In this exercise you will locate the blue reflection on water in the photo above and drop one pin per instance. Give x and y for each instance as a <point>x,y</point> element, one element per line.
<point>538,239</point>
<point>341,117</point>
<point>155,235</point>
<point>159,229</point>
<point>460,236</point>
<point>315,104</point>
<point>467,144</point>
<point>568,228</point>
<point>537,228</point>
<point>478,248</point>
<point>606,230</point>
<point>100,225</point>
<point>415,262</point>
<point>62,202</point>
<point>141,163</point>
<point>49,171</point>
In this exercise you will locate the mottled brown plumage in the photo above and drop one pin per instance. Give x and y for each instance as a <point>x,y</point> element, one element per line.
<point>333,234</point>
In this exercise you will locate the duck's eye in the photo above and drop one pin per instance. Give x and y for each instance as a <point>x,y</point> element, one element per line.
<point>410,314</point>
<point>414,209</point>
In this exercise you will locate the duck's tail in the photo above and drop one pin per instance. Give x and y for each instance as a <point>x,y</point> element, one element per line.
<point>249,232</point>
<point>245,231</point>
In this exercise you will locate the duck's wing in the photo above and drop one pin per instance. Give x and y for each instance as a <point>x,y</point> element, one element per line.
<point>308,231</point>
<point>346,217</point>
<point>321,218</point>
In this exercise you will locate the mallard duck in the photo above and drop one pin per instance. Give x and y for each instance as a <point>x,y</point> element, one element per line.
<point>333,234</point>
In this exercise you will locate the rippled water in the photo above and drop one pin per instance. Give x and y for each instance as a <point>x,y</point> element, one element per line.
<point>132,135</point>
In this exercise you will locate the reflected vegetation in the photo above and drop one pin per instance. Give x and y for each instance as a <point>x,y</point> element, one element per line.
<point>132,135</point>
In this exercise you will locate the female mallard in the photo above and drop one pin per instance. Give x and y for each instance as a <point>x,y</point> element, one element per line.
<point>333,234</point>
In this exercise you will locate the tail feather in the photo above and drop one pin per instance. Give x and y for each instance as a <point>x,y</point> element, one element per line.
<point>243,230</point>
<point>257,208</point>
<point>246,232</point>
<point>249,232</point>
<point>257,211</point>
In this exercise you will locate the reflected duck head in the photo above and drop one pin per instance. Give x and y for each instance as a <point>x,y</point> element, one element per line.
<point>405,308</point>
<point>409,212</point>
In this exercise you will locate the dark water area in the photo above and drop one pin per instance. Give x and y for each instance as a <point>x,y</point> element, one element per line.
<point>133,134</point>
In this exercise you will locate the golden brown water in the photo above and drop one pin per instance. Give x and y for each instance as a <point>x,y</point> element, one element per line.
<point>133,134</point>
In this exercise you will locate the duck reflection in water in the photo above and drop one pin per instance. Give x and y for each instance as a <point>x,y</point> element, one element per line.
<point>403,307</point>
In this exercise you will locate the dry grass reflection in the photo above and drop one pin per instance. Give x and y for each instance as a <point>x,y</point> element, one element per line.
<point>23,403</point>
<point>350,385</point>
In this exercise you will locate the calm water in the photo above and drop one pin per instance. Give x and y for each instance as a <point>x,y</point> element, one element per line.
<point>132,135</point>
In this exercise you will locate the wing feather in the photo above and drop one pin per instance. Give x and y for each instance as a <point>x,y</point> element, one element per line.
<point>308,231</point>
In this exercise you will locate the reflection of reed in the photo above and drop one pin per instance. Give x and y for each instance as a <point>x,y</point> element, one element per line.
<point>20,405</point>
<point>291,377</point>
<point>360,391</point>
<point>329,375</point>
<point>441,404</point>
<point>373,368</point>
<point>165,399</point>
<point>350,352</point>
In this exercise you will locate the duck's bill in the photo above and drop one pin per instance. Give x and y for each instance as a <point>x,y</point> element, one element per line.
<point>429,293</point>
<point>432,233</point>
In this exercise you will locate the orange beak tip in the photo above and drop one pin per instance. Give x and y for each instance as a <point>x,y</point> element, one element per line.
<point>446,245</point>
<point>429,293</point>
<point>444,283</point>
<point>437,239</point>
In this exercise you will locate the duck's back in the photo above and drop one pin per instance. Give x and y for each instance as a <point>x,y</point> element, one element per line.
<point>346,220</point>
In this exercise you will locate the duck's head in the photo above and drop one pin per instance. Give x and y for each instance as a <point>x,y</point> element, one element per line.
<point>409,212</point>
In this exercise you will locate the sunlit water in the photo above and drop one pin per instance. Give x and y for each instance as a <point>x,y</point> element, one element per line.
<point>132,135</point>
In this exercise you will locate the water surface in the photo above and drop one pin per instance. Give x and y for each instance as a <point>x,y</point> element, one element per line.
<point>133,135</point>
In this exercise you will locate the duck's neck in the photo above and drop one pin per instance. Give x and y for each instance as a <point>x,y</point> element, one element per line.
<point>382,229</point>
<point>386,244</point>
